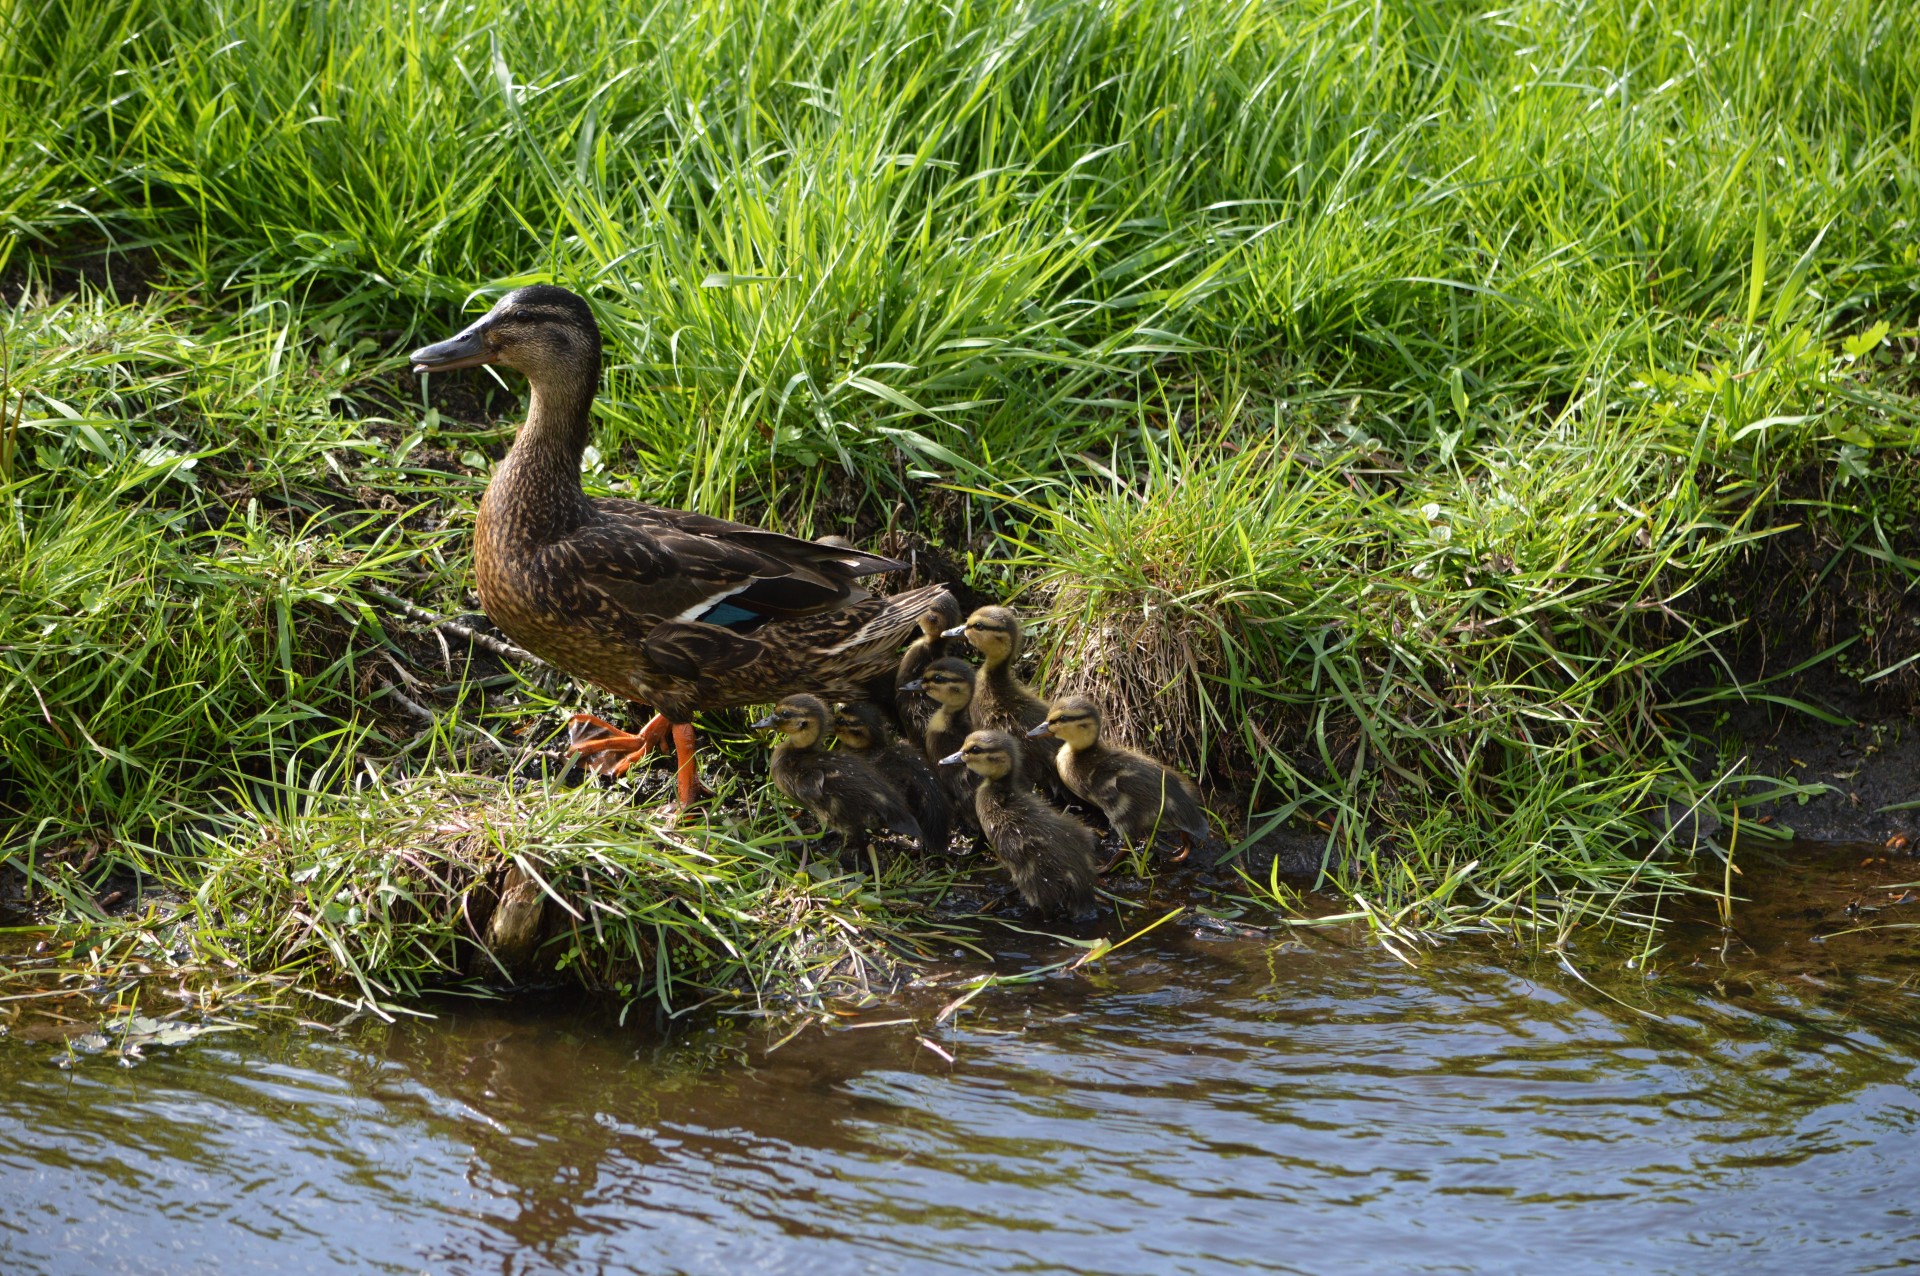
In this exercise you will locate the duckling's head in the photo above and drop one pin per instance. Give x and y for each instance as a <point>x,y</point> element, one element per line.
<point>859,726</point>
<point>948,680</point>
<point>542,331</point>
<point>1075,719</point>
<point>990,754</point>
<point>994,633</point>
<point>942,616</point>
<point>801,719</point>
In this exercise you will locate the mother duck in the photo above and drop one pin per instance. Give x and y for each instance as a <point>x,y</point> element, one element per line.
<point>663,607</point>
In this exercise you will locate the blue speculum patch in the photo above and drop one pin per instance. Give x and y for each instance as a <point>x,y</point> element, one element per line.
<point>726,614</point>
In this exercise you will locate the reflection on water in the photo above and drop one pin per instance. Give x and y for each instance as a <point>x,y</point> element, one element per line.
<point>1201,1104</point>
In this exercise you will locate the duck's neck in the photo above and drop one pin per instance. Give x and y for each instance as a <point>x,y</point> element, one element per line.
<point>999,672</point>
<point>535,494</point>
<point>789,747</point>
<point>1003,786</point>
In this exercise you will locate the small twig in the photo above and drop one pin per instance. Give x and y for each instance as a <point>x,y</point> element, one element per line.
<point>412,706</point>
<point>413,611</point>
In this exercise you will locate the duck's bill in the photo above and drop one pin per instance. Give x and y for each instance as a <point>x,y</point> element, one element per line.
<point>1044,729</point>
<point>952,759</point>
<point>765,724</point>
<point>913,684</point>
<point>954,632</point>
<point>468,350</point>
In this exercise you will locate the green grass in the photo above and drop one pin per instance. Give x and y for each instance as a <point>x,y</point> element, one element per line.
<point>1383,401</point>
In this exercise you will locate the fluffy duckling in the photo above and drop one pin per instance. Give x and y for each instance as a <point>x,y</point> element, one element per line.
<point>1049,854</point>
<point>912,709</point>
<point>1140,797</point>
<point>863,732</point>
<point>948,682</point>
<point>844,791</point>
<point>1001,702</point>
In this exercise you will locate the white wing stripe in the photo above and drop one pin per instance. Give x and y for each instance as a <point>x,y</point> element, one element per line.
<point>700,608</point>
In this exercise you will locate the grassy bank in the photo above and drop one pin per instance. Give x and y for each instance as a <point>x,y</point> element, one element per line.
<point>1389,405</point>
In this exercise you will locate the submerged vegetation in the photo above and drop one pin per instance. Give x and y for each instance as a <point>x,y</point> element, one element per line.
<point>1393,409</point>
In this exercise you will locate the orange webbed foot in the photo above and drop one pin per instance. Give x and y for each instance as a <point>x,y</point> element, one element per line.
<point>614,751</point>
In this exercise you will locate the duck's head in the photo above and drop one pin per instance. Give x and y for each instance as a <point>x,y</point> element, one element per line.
<point>1075,719</point>
<point>859,726</point>
<point>993,631</point>
<point>990,754</point>
<point>939,618</point>
<point>801,719</point>
<point>948,680</point>
<point>545,332</point>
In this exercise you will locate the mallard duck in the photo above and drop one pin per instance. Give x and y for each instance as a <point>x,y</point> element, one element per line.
<point>1001,702</point>
<point>843,790</point>
<point>1140,796</point>
<point>863,731</point>
<point>1048,853</point>
<point>660,606</point>
<point>948,682</point>
<point>914,710</point>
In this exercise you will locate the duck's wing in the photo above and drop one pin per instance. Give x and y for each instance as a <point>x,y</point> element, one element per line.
<point>1104,788</point>
<point>693,570</point>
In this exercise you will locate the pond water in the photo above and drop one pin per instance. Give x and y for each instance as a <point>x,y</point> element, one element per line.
<point>1204,1100</point>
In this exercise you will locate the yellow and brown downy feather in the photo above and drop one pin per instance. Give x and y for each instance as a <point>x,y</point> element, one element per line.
<point>948,684</point>
<point>861,730</point>
<point>911,710</point>
<point>1143,798</point>
<point>843,790</point>
<point>660,606</point>
<point>1049,854</point>
<point>1001,702</point>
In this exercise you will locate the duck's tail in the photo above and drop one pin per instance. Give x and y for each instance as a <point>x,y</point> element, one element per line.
<point>860,664</point>
<point>888,627</point>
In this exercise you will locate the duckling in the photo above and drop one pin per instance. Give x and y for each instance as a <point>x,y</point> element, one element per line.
<point>948,682</point>
<point>843,790</point>
<point>913,710</point>
<point>1049,854</point>
<point>1140,796</point>
<point>1001,702</point>
<point>863,732</point>
<point>659,606</point>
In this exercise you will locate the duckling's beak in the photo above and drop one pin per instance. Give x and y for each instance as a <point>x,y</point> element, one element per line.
<point>1045,728</point>
<point>953,759</point>
<point>915,685</point>
<point>765,724</point>
<point>958,631</point>
<point>468,350</point>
